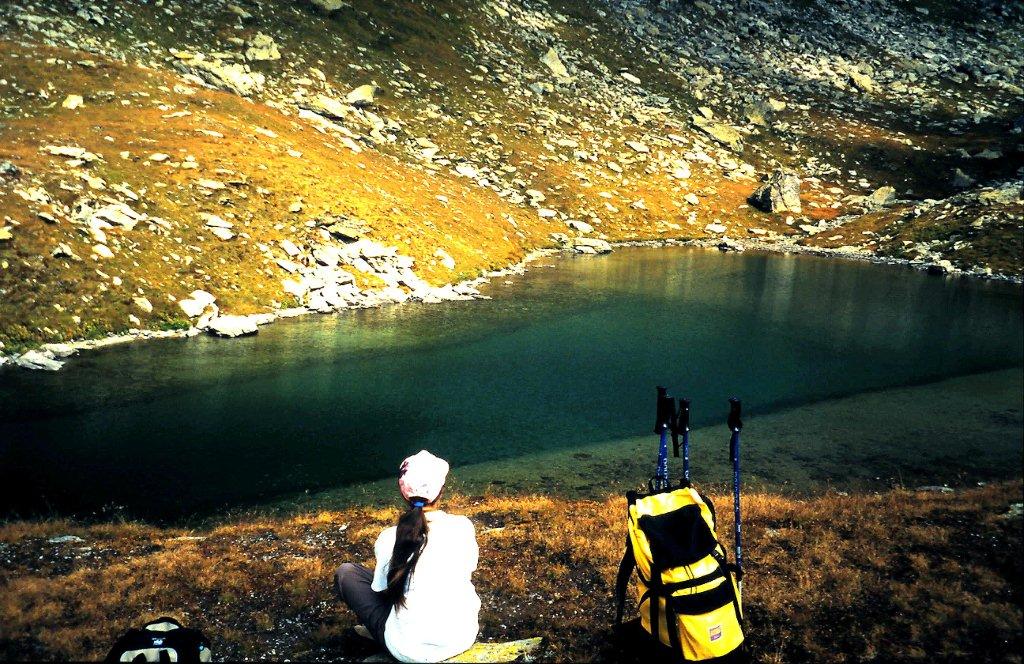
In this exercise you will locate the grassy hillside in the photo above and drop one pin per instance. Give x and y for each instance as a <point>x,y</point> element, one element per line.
<point>472,152</point>
<point>897,576</point>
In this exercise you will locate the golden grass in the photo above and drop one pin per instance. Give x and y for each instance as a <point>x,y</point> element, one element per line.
<point>400,203</point>
<point>895,576</point>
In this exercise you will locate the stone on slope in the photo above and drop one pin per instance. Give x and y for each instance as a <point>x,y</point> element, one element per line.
<point>262,48</point>
<point>721,132</point>
<point>233,77</point>
<point>362,96</point>
<point>65,539</point>
<point>71,152</point>
<point>862,82</point>
<point>781,193</point>
<point>346,229</point>
<point>879,198</point>
<point>197,302</point>
<point>554,63</point>
<point>962,180</point>
<point>326,106</point>
<point>63,250</point>
<point>9,170</point>
<point>117,214</point>
<point>329,5</point>
<point>1007,192</point>
<point>222,233</point>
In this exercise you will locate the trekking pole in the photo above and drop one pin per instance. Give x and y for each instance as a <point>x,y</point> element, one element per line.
<point>683,427</point>
<point>735,424</point>
<point>662,426</point>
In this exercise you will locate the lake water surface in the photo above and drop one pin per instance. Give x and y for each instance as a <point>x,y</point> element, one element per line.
<point>849,373</point>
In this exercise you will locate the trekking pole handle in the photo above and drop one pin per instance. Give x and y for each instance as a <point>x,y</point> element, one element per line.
<point>735,425</point>
<point>681,424</point>
<point>735,408</point>
<point>665,408</point>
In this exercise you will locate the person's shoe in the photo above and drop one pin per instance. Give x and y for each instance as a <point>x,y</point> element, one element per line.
<point>363,632</point>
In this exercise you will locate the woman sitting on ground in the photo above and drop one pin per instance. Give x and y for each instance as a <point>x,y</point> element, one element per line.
<point>419,602</point>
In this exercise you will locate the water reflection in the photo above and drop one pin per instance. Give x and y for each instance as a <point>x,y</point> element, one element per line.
<point>566,357</point>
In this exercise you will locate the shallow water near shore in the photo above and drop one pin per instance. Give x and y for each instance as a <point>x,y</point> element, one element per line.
<point>852,375</point>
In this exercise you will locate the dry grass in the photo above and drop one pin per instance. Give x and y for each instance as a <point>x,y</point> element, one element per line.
<point>896,576</point>
<point>42,295</point>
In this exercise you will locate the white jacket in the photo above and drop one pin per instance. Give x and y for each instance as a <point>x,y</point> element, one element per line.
<point>441,612</point>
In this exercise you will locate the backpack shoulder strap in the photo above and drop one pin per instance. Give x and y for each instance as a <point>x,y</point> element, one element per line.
<point>622,580</point>
<point>730,571</point>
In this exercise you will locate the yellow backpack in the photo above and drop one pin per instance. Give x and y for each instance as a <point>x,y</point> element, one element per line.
<point>689,595</point>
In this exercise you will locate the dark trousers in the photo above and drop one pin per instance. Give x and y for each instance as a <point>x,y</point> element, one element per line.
<point>352,583</point>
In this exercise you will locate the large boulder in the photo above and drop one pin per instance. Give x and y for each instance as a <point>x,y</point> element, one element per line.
<point>231,326</point>
<point>38,360</point>
<point>591,245</point>
<point>781,193</point>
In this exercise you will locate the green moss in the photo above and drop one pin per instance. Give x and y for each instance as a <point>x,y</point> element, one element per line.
<point>169,324</point>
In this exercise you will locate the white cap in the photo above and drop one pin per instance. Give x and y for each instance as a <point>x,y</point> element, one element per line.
<point>422,476</point>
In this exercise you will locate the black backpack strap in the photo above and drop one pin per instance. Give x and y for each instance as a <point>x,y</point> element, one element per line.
<point>672,623</point>
<point>658,592</point>
<point>729,570</point>
<point>622,580</point>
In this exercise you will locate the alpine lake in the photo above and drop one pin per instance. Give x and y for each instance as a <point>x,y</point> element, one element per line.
<point>853,376</point>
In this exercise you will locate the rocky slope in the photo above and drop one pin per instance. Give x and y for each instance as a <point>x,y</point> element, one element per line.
<point>171,165</point>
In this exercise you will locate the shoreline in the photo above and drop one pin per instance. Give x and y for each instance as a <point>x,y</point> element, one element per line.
<point>54,355</point>
<point>730,244</point>
<point>778,444</point>
<point>777,434</point>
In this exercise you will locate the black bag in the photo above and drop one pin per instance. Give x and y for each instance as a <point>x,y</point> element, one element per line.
<point>161,640</point>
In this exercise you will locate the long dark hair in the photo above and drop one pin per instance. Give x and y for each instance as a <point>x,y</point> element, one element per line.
<point>410,540</point>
